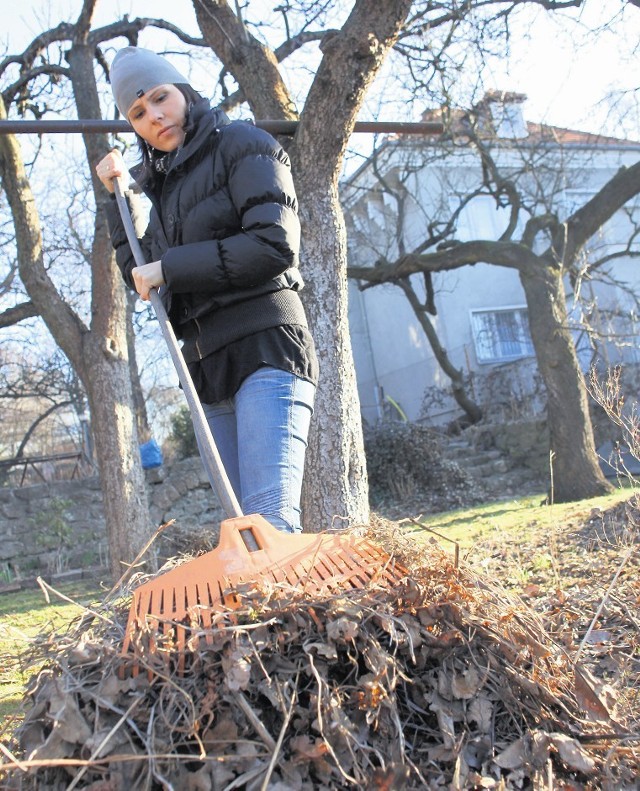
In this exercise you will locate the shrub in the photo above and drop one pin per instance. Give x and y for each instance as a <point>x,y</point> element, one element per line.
<point>406,465</point>
<point>182,434</point>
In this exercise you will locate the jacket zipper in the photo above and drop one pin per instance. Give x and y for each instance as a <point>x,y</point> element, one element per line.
<point>198,339</point>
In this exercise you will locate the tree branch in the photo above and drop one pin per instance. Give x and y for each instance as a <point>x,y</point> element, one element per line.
<point>252,64</point>
<point>16,314</point>
<point>351,60</point>
<point>509,254</point>
<point>573,234</point>
<point>35,424</point>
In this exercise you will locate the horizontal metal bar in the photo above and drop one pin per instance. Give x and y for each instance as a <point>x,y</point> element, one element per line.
<point>274,127</point>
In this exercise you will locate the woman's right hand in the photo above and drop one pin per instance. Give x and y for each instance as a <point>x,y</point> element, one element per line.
<point>110,167</point>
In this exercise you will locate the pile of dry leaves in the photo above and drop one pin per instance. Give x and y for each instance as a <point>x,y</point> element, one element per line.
<point>446,681</point>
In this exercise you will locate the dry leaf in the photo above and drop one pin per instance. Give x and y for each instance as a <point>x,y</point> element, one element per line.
<point>304,748</point>
<point>598,636</point>
<point>587,690</point>
<point>52,748</point>
<point>393,778</point>
<point>70,724</point>
<point>327,650</point>
<point>481,712</point>
<point>445,721</point>
<point>342,630</point>
<point>514,756</point>
<point>198,781</point>
<point>238,672</point>
<point>573,754</point>
<point>466,684</point>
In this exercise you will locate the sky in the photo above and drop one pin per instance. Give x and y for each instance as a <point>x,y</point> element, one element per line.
<point>566,77</point>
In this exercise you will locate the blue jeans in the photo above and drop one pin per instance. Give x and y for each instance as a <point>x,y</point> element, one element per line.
<point>261,435</point>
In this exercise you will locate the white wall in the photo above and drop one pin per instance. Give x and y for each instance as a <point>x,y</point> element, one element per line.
<point>392,354</point>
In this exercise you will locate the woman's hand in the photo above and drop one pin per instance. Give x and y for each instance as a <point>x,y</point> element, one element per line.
<point>110,167</point>
<point>147,277</point>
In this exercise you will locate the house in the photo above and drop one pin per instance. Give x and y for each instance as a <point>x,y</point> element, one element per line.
<point>418,193</point>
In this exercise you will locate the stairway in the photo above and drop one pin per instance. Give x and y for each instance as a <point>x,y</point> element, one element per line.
<point>491,468</point>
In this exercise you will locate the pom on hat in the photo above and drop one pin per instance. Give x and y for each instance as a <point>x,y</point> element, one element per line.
<point>135,71</point>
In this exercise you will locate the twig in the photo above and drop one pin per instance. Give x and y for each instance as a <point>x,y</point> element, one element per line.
<point>15,762</point>
<point>129,570</point>
<point>253,718</point>
<point>49,763</point>
<point>46,589</point>
<point>96,752</point>
<point>321,683</point>
<point>598,613</point>
<point>456,550</point>
<point>283,730</point>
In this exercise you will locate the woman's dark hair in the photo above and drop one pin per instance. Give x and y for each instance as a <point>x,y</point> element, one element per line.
<point>149,154</point>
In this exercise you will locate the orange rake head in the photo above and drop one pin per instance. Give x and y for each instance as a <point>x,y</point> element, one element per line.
<point>250,552</point>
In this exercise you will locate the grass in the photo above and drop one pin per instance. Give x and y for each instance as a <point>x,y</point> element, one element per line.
<point>24,616</point>
<point>502,520</point>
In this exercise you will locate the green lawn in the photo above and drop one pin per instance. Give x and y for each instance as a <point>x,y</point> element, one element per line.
<point>493,521</point>
<point>23,616</point>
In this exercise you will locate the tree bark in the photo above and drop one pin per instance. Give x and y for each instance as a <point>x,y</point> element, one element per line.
<point>11,316</point>
<point>253,65</point>
<point>574,469</point>
<point>335,485</point>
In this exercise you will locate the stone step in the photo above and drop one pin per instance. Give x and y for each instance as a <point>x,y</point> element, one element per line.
<point>472,456</point>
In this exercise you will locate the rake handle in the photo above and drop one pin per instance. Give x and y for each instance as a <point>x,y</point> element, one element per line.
<point>208,450</point>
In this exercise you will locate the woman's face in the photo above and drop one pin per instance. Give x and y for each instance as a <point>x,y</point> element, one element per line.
<point>159,116</point>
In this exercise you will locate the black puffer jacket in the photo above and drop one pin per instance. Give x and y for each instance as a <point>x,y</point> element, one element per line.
<point>224,224</point>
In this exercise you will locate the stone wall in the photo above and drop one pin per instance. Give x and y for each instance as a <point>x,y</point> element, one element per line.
<point>50,528</point>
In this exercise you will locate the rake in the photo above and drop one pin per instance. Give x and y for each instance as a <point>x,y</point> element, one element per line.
<point>250,554</point>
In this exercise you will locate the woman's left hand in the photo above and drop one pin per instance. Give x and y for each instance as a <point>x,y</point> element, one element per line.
<point>147,277</point>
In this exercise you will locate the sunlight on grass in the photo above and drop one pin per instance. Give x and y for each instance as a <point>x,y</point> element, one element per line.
<point>518,517</point>
<point>26,616</point>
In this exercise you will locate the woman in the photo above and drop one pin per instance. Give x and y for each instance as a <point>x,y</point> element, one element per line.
<point>222,246</point>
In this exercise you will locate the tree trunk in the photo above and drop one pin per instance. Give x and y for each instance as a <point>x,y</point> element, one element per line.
<point>335,478</point>
<point>124,494</point>
<point>105,365</point>
<point>336,482</point>
<point>575,472</point>
<point>97,355</point>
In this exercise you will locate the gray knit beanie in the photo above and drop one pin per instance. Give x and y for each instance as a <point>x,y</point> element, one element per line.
<point>135,71</point>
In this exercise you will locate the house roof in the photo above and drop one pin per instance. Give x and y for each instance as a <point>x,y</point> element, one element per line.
<point>483,118</point>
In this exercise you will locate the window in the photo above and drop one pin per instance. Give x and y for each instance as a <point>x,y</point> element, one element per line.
<point>501,334</point>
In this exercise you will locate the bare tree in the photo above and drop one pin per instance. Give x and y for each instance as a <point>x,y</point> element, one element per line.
<point>365,241</point>
<point>47,383</point>
<point>542,269</point>
<point>98,352</point>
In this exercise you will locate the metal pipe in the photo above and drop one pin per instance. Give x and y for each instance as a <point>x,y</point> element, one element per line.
<point>84,126</point>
